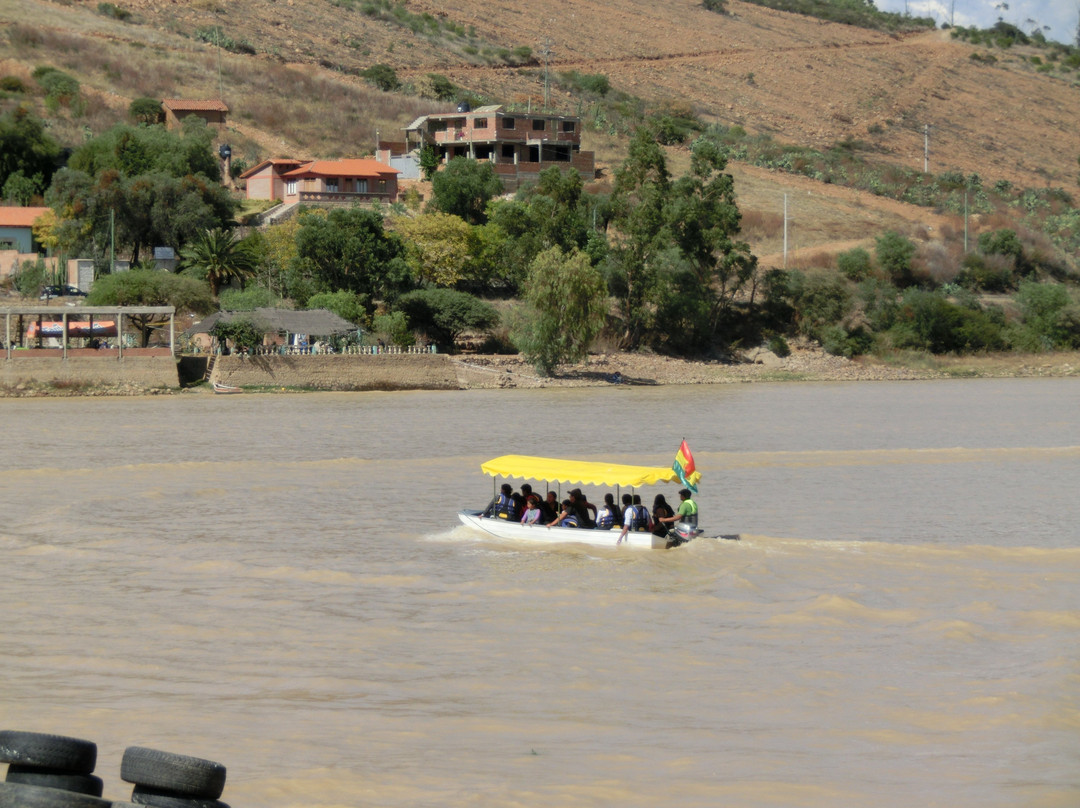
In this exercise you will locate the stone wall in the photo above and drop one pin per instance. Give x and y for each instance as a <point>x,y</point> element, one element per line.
<point>339,372</point>
<point>150,372</point>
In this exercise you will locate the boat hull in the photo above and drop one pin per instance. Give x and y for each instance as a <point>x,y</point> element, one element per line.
<point>542,534</point>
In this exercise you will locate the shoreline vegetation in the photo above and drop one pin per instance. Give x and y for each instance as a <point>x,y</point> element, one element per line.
<point>806,363</point>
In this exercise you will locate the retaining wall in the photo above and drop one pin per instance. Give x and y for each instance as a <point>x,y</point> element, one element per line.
<point>45,366</point>
<point>339,371</point>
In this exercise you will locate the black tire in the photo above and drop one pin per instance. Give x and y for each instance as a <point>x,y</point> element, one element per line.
<point>181,775</point>
<point>141,795</point>
<point>71,755</point>
<point>52,778</point>
<point>18,795</point>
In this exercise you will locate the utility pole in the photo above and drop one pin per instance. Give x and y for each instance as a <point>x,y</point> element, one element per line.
<point>926,149</point>
<point>546,51</point>
<point>965,221</point>
<point>112,240</point>
<point>785,231</point>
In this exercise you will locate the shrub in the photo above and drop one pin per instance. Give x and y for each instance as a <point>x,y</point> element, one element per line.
<point>114,11</point>
<point>930,322</point>
<point>854,264</point>
<point>394,327</point>
<point>779,346</point>
<point>382,76</point>
<point>821,300</point>
<point>443,314</point>
<point>12,84</point>
<point>719,6</point>
<point>894,254</point>
<point>145,110</point>
<point>989,274</point>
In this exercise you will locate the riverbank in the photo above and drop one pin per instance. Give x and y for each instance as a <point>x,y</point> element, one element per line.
<point>807,362</point>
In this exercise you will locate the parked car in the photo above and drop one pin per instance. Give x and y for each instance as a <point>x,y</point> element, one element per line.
<point>61,291</point>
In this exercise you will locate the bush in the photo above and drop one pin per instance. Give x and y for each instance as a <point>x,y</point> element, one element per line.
<point>145,110</point>
<point>382,76</point>
<point>930,322</point>
<point>779,346</point>
<point>114,11</point>
<point>443,314</point>
<point>854,264</point>
<point>12,84</point>
<point>821,300</point>
<point>346,305</point>
<point>993,273</point>
<point>894,254</point>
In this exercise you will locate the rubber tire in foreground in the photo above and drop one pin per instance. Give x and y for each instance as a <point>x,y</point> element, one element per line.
<point>141,795</point>
<point>72,755</point>
<point>19,795</point>
<point>181,775</point>
<point>55,778</point>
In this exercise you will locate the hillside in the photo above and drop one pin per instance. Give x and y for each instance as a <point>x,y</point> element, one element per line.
<point>800,80</point>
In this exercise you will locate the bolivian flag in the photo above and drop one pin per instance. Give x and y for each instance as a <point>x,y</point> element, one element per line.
<point>684,467</point>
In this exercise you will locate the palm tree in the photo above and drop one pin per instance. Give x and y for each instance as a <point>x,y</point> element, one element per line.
<point>220,257</point>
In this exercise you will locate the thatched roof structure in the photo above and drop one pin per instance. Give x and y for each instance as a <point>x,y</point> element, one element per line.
<point>313,322</point>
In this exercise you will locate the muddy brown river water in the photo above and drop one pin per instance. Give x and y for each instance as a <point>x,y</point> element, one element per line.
<point>278,583</point>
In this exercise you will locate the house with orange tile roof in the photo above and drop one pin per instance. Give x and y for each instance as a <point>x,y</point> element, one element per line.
<point>213,113</point>
<point>16,228</point>
<point>332,182</point>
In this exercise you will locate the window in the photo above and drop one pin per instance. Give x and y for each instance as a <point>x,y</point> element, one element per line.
<point>290,187</point>
<point>361,186</point>
<point>436,126</point>
<point>539,124</point>
<point>568,126</point>
<point>382,186</point>
<point>480,123</point>
<point>508,151</point>
<point>509,123</point>
<point>332,186</point>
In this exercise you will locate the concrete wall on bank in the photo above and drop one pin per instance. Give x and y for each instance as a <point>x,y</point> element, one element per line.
<point>339,371</point>
<point>140,371</point>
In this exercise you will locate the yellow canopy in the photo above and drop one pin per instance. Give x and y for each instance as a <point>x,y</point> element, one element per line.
<point>577,471</point>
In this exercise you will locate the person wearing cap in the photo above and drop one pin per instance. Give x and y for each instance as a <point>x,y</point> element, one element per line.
<point>687,512</point>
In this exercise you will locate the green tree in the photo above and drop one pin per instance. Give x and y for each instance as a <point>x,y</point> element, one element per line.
<point>145,110</point>
<point>351,250</point>
<point>346,305</point>
<point>1051,320</point>
<point>133,150</point>
<point>443,314</point>
<point>854,264</point>
<point>21,189</point>
<point>704,221</point>
<point>438,246</point>
<point>567,307</point>
<point>218,257</point>
<point>26,147</point>
<point>642,189</point>
<point>464,188</point>
<point>151,287</point>
<point>894,254</point>
<point>429,162</point>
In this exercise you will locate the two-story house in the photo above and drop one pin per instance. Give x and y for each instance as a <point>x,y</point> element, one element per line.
<point>519,145</point>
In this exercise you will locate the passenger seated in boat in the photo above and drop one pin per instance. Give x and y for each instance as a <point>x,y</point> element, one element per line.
<point>642,511</point>
<point>581,508</point>
<point>566,517</point>
<point>660,513</point>
<point>550,506</point>
<point>502,507</point>
<point>532,513</point>
<point>608,515</point>
<point>635,517</point>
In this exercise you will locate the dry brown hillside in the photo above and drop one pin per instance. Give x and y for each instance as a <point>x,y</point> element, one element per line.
<point>799,79</point>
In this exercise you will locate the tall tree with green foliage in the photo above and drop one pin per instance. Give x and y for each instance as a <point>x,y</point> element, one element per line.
<point>438,246</point>
<point>351,250</point>
<point>464,188</point>
<point>443,314</point>
<point>639,201</point>
<point>219,257</point>
<point>567,306</point>
<point>26,147</point>
<point>703,219</point>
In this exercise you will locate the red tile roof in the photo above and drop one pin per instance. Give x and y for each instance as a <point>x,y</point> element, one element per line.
<point>274,161</point>
<point>19,217</point>
<point>198,106</point>
<point>357,167</point>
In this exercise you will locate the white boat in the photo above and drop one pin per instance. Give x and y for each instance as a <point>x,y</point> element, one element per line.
<point>575,472</point>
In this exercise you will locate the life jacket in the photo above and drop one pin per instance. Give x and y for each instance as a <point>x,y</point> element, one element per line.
<point>606,519</point>
<point>690,518</point>
<point>571,520</point>
<point>504,507</point>
<point>640,520</point>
